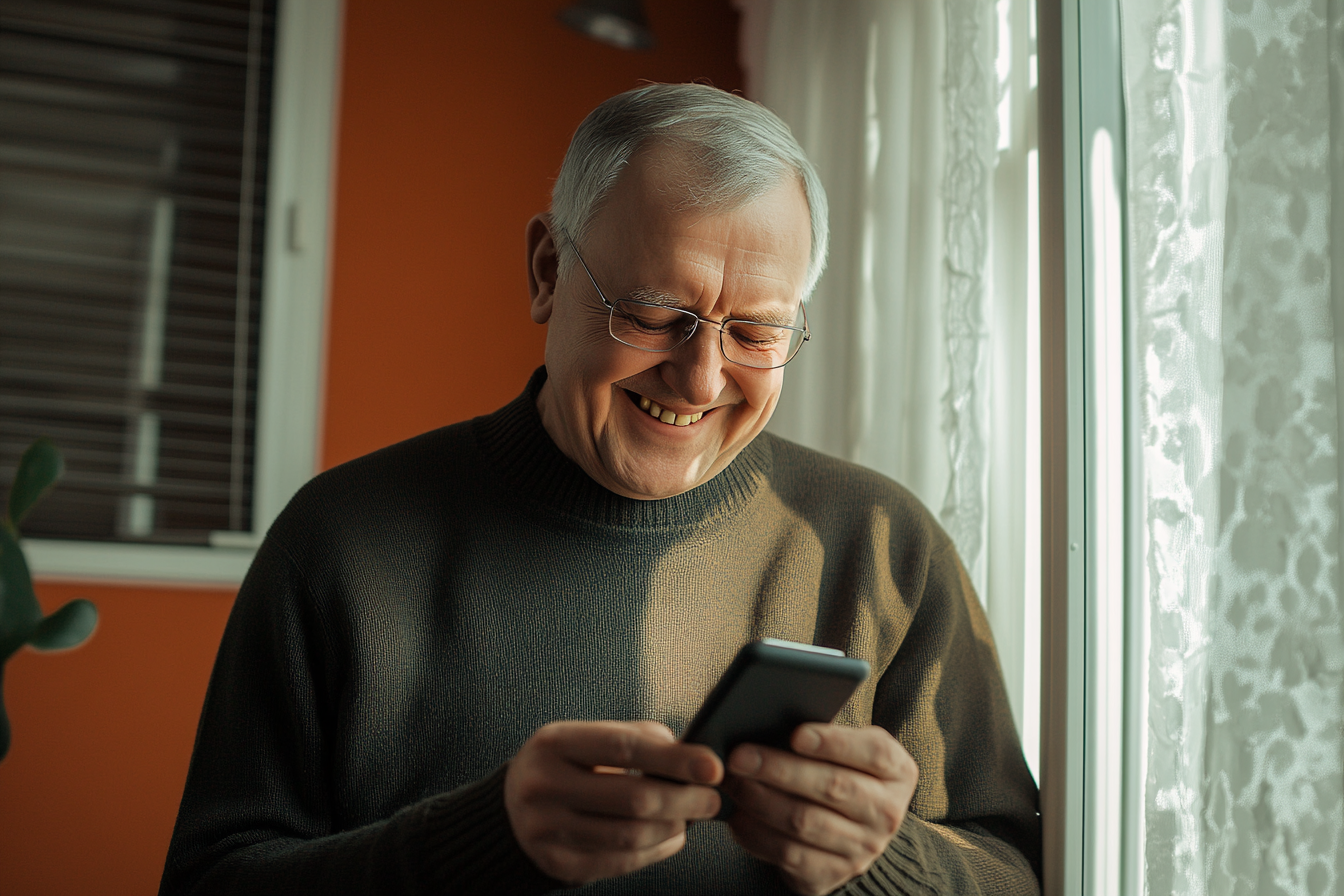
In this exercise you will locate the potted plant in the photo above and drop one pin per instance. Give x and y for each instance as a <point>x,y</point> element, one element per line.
<point>21,619</point>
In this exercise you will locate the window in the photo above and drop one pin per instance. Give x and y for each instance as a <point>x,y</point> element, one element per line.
<point>164,175</point>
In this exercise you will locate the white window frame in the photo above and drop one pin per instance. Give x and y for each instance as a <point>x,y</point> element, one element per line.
<point>295,282</point>
<point>1089,770</point>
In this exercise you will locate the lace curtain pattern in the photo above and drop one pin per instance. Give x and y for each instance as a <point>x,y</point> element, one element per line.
<point>1234,141</point>
<point>971,92</point>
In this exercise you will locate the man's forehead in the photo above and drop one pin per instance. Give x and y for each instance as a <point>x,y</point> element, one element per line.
<point>653,202</point>
<point>683,175</point>
<point>684,180</point>
<point>654,248</point>
<point>766,311</point>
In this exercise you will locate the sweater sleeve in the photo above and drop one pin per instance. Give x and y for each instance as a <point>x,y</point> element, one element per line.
<point>257,815</point>
<point>973,825</point>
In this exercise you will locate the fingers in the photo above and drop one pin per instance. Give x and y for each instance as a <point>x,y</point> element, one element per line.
<point>874,791</point>
<point>639,797</point>
<point>583,803</point>
<point>856,795</point>
<point>824,812</point>
<point>808,870</point>
<point>644,746</point>
<point>592,833</point>
<point>805,822</point>
<point>546,771</point>
<point>871,749</point>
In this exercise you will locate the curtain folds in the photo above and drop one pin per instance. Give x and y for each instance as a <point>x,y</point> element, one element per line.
<point>860,84</point>
<point>918,365</point>
<point>895,104</point>
<point>1235,165</point>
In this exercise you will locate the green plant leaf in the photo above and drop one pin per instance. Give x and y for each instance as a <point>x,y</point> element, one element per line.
<point>38,471</point>
<point>67,627</point>
<point>19,611</point>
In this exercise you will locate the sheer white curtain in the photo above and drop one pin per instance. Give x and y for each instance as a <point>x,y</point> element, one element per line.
<point>1236,225</point>
<point>919,363</point>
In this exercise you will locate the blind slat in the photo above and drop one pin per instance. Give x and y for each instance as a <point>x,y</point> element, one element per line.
<point>74,438</point>
<point>122,40</point>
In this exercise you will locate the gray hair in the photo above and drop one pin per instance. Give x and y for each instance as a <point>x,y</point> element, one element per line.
<point>739,151</point>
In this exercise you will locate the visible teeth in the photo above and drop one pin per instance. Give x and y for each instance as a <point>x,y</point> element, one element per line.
<point>670,417</point>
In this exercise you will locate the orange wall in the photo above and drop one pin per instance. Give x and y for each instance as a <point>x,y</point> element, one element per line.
<point>454,117</point>
<point>102,736</point>
<point>454,122</point>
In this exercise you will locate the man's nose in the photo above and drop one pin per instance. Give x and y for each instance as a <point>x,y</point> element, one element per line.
<point>694,369</point>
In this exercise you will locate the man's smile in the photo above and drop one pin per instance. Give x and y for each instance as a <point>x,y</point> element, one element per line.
<point>671,418</point>
<point>691,408</point>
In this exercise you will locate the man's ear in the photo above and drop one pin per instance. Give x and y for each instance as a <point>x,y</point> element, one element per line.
<point>543,267</point>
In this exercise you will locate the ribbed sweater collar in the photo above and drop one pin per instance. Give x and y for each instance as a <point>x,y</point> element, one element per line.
<point>514,441</point>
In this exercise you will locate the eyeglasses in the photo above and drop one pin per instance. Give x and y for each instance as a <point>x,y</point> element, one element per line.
<point>658,328</point>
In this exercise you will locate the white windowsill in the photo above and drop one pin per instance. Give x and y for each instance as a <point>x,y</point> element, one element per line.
<point>157,564</point>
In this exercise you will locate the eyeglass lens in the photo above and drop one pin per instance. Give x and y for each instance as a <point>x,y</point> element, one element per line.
<point>657,329</point>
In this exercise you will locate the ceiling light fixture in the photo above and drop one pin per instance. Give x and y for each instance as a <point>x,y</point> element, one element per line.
<point>620,23</point>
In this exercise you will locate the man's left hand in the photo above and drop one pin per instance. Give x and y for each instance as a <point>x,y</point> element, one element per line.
<point>825,812</point>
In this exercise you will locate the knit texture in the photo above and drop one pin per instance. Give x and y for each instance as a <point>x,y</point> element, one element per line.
<point>415,615</point>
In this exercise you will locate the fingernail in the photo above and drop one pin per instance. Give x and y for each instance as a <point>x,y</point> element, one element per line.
<point>807,740</point>
<point>745,761</point>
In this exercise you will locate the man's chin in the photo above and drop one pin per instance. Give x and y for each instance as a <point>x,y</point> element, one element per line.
<point>650,490</point>
<point>654,485</point>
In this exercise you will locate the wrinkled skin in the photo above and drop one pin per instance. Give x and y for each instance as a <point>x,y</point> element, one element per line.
<point>750,262</point>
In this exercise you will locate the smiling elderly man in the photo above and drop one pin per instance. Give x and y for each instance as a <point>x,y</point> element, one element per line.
<point>457,664</point>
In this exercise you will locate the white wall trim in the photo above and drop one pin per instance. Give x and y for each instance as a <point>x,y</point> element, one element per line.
<point>298,253</point>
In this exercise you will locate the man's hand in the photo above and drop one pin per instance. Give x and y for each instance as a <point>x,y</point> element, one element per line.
<point>582,810</point>
<point>825,814</point>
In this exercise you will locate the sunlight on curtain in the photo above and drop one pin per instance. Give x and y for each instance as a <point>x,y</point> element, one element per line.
<point>860,84</point>
<point>919,117</point>
<point>1235,160</point>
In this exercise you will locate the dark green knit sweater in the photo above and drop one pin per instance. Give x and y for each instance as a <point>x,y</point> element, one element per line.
<point>416,614</point>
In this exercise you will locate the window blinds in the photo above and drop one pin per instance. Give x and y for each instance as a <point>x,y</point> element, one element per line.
<point>133,150</point>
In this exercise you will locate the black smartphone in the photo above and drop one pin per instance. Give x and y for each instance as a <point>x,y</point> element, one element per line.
<point>770,689</point>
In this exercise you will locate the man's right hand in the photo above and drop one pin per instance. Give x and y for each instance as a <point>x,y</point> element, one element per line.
<point>582,803</point>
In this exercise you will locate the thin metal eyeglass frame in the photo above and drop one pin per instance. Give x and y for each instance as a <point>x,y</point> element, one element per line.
<point>611,312</point>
